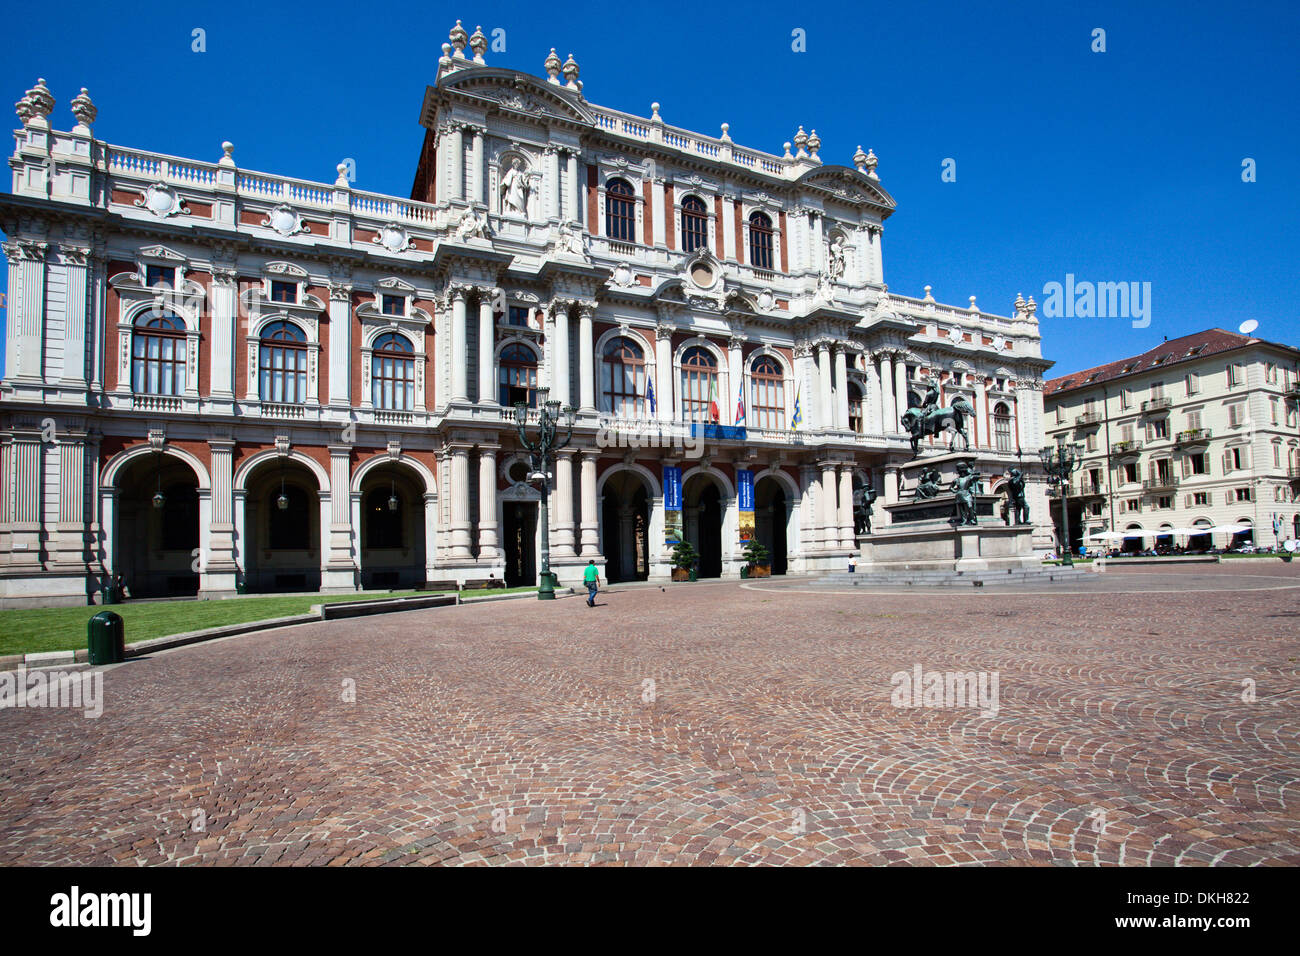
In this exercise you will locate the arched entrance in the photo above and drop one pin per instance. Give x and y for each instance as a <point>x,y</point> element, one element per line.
<point>1202,541</point>
<point>391,527</point>
<point>704,505</point>
<point>625,525</point>
<point>771,517</point>
<point>1134,539</point>
<point>157,527</point>
<point>519,542</point>
<point>282,528</point>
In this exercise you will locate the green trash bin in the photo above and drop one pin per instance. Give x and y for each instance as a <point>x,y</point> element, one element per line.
<point>106,638</point>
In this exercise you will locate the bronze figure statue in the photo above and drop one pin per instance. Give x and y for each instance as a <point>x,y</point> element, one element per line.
<point>863,500</point>
<point>927,486</point>
<point>928,420</point>
<point>1016,502</point>
<point>965,486</point>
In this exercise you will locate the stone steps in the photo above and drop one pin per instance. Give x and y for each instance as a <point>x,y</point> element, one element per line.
<point>869,579</point>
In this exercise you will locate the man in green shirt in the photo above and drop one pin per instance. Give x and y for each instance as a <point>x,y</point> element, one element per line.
<point>591,576</point>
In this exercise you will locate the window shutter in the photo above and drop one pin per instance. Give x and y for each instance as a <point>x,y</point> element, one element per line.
<point>1227,462</point>
<point>1187,501</point>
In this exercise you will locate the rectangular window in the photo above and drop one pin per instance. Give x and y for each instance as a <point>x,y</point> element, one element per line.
<point>393,305</point>
<point>1091,441</point>
<point>1199,463</point>
<point>1126,398</point>
<point>1273,407</point>
<point>1243,494</point>
<point>1126,432</point>
<point>519,315</point>
<point>1157,389</point>
<point>1165,501</point>
<point>1191,383</point>
<point>1130,472</point>
<point>1194,419</point>
<point>284,291</point>
<point>1234,414</point>
<point>1201,498</point>
<point>1159,429</point>
<point>160,275</point>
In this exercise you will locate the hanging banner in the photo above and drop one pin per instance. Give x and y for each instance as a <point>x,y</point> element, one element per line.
<point>672,505</point>
<point>745,504</point>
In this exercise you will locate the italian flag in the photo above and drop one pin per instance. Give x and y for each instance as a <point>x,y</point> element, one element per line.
<point>714,414</point>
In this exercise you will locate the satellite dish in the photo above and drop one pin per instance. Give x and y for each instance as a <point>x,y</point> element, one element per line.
<point>1250,325</point>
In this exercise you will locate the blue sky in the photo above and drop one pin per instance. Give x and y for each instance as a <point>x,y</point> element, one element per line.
<point>1122,166</point>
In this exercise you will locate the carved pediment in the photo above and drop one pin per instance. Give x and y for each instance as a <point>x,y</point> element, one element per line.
<point>161,253</point>
<point>518,93</point>
<point>848,185</point>
<point>285,269</point>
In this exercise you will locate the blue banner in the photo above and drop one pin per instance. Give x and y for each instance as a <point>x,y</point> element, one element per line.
<point>672,489</point>
<point>719,432</point>
<point>745,489</point>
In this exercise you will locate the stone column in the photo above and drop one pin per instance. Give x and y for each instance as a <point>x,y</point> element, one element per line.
<point>340,571</point>
<point>459,347</point>
<point>75,259</point>
<point>488,550</point>
<point>562,500</point>
<point>23,474</point>
<point>486,346</point>
<point>478,181</point>
<point>664,371</point>
<point>846,506</point>
<point>830,520</point>
<point>900,391</point>
<point>891,491</point>
<point>221,571</point>
<point>586,358</point>
<point>69,544</point>
<point>809,522</point>
<point>560,355</point>
<point>459,497</point>
<point>26,312</point>
<point>824,419</point>
<point>735,376</point>
<point>979,426</point>
<point>456,143</point>
<point>590,537</point>
<point>575,187</point>
<point>842,395</point>
<point>553,181</point>
<point>888,409</point>
<point>340,341</point>
<point>873,414</point>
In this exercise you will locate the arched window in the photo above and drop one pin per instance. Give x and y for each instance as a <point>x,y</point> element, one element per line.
<point>622,378</point>
<point>1002,426</point>
<point>392,373</point>
<point>383,524</point>
<point>768,391</point>
<point>282,364</point>
<point>620,211</point>
<point>760,241</point>
<point>856,418</point>
<point>695,224</point>
<point>699,385</point>
<point>158,354</point>
<point>517,378</point>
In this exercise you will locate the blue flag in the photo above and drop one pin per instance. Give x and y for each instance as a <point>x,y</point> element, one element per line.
<point>650,393</point>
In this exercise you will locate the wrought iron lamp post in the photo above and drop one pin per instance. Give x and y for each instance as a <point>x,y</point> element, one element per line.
<point>550,418</point>
<point>1061,461</point>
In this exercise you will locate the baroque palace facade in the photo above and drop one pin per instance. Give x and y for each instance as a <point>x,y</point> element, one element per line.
<point>220,381</point>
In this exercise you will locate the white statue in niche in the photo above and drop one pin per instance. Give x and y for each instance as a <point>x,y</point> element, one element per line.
<point>835,267</point>
<point>514,189</point>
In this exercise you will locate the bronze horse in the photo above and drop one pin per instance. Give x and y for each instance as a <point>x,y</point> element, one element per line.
<point>918,424</point>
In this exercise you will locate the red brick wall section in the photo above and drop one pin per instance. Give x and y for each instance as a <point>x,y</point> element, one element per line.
<point>323,360</point>
<point>593,218</point>
<point>670,224</point>
<point>355,363</point>
<point>246,450</point>
<point>649,223</point>
<point>740,235</point>
<point>113,310</point>
<point>113,444</point>
<point>241,339</point>
<point>430,346</point>
<point>785,260</point>
<point>205,334</point>
<point>202,210</point>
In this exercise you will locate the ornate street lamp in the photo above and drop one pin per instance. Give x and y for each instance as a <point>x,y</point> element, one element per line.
<point>393,501</point>
<point>1061,461</point>
<point>159,499</point>
<point>543,458</point>
<point>282,502</point>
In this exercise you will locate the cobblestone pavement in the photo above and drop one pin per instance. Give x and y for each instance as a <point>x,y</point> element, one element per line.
<point>705,723</point>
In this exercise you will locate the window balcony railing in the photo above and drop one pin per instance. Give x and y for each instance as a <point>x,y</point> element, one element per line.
<point>1166,483</point>
<point>1293,471</point>
<point>1193,436</point>
<point>157,403</point>
<point>1155,405</point>
<point>386,417</point>
<point>1293,390</point>
<point>274,410</point>
<point>1126,447</point>
<point>1088,418</point>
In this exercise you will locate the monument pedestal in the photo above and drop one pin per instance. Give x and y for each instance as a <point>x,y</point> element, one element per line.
<point>922,534</point>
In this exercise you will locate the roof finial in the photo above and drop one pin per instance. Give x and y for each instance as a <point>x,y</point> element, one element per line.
<point>571,73</point>
<point>478,43</point>
<point>552,65</point>
<point>860,160</point>
<point>814,144</point>
<point>870,162</point>
<point>41,102</point>
<point>458,38</point>
<point>725,137</point>
<point>800,141</point>
<point>84,110</point>
<point>228,154</point>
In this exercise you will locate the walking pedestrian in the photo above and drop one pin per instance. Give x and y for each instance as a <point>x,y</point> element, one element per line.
<point>853,563</point>
<point>591,576</point>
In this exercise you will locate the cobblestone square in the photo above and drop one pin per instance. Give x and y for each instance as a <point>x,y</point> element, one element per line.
<point>709,723</point>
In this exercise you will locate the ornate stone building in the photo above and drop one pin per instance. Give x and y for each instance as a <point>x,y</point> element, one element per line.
<point>218,379</point>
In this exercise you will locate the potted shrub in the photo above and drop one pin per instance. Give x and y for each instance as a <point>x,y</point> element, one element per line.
<point>684,561</point>
<point>757,561</point>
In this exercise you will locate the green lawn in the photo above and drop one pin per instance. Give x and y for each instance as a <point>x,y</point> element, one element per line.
<point>64,628</point>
